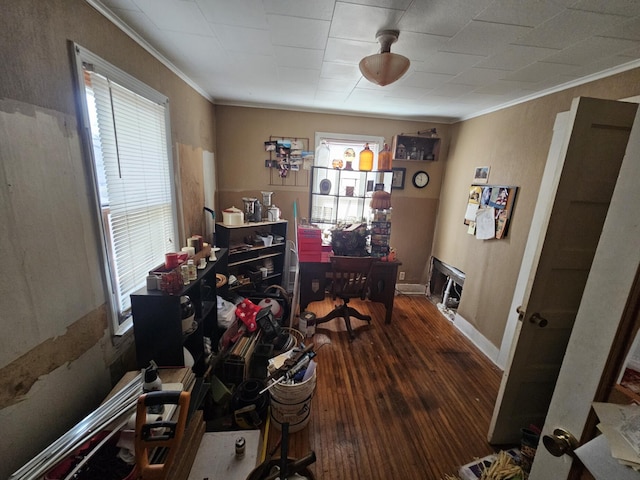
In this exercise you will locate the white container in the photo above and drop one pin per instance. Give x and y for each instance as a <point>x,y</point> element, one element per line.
<point>268,240</point>
<point>232,216</point>
<point>292,404</point>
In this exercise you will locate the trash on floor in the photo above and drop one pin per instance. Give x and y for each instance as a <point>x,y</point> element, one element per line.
<point>505,465</point>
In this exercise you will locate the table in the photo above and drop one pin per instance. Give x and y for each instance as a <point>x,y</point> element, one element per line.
<point>314,277</point>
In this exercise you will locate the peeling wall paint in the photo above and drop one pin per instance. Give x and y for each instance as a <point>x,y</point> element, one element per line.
<point>17,378</point>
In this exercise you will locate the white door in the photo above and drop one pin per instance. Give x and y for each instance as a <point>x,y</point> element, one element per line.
<point>614,269</point>
<point>592,152</point>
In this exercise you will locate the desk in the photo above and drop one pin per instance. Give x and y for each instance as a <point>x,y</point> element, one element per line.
<point>314,277</point>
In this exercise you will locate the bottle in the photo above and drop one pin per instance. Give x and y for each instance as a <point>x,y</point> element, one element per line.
<point>385,159</point>
<point>366,159</point>
<point>184,271</point>
<point>193,273</point>
<point>323,152</point>
<point>152,383</point>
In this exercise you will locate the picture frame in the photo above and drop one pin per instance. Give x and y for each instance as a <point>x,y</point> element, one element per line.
<point>481,175</point>
<point>397,180</point>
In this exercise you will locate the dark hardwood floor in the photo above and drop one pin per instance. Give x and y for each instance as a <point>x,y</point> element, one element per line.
<point>409,400</point>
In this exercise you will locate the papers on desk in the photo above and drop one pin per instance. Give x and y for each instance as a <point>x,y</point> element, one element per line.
<point>620,424</point>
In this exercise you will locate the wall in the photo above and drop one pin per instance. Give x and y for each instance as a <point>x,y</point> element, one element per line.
<point>241,172</point>
<point>57,359</point>
<point>514,142</point>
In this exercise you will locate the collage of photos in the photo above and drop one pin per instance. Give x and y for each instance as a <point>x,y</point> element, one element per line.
<point>285,155</point>
<point>489,209</point>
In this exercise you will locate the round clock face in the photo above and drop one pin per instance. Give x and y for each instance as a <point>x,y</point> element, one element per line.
<point>420,179</point>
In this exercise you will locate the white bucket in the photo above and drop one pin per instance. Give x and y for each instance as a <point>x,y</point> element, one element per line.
<point>292,404</point>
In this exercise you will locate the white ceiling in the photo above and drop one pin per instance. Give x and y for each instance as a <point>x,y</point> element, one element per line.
<point>467,56</point>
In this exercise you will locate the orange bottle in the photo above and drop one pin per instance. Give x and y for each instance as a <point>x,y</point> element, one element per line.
<point>366,159</point>
<point>385,159</point>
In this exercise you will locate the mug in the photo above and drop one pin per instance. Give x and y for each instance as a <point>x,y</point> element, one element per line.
<point>170,260</point>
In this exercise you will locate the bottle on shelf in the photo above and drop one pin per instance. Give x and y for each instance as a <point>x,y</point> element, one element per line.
<point>193,272</point>
<point>323,154</point>
<point>152,383</point>
<point>365,163</point>
<point>385,159</point>
<point>184,272</point>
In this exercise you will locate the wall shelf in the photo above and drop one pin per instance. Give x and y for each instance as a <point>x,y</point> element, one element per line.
<point>415,147</point>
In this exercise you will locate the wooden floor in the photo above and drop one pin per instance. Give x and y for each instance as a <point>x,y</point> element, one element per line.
<point>410,400</point>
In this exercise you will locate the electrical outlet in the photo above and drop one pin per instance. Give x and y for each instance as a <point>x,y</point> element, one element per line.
<point>401,276</point>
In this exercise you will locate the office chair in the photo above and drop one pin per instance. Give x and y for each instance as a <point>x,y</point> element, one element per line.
<point>350,279</point>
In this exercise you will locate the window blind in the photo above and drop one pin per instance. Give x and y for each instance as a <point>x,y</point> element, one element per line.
<point>134,176</point>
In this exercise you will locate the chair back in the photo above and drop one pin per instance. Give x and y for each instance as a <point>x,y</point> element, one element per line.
<point>350,276</point>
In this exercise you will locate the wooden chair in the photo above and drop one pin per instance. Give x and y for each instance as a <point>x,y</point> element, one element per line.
<point>350,279</point>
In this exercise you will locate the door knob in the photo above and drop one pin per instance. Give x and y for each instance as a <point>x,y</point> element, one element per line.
<point>538,320</point>
<point>560,443</point>
<point>520,313</point>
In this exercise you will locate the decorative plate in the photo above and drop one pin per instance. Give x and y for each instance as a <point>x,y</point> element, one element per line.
<point>325,186</point>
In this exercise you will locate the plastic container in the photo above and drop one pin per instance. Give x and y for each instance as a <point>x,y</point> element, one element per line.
<point>292,404</point>
<point>323,154</point>
<point>193,272</point>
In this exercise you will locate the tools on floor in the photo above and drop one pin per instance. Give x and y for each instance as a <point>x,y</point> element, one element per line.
<point>164,433</point>
<point>284,467</point>
<point>113,411</point>
<point>298,360</point>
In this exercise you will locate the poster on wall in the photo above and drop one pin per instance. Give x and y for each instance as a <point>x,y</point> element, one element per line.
<point>492,205</point>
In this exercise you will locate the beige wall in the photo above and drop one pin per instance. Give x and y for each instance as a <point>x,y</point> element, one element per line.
<point>241,172</point>
<point>515,143</point>
<point>57,360</point>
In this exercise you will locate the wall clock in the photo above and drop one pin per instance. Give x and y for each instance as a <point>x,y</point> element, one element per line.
<point>420,179</point>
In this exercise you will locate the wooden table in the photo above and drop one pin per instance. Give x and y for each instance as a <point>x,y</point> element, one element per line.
<point>314,277</point>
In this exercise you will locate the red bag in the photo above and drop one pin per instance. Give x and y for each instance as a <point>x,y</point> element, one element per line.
<point>246,311</point>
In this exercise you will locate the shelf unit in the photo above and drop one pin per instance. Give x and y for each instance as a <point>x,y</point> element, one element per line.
<point>415,147</point>
<point>157,321</point>
<point>344,195</point>
<point>246,256</point>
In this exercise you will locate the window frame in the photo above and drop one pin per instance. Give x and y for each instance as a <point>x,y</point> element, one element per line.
<point>83,56</point>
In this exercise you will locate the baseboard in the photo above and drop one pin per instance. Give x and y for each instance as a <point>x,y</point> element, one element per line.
<point>411,288</point>
<point>484,345</point>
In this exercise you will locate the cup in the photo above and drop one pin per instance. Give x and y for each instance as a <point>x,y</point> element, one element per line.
<point>170,260</point>
<point>264,272</point>
<point>182,257</point>
<point>190,251</point>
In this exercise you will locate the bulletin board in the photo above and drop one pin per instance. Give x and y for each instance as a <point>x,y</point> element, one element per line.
<point>489,210</point>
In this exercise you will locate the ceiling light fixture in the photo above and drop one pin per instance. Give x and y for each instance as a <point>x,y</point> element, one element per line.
<point>385,67</point>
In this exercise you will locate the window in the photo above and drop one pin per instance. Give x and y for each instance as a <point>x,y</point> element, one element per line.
<point>336,205</point>
<point>339,142</point>
<point>127,125</point>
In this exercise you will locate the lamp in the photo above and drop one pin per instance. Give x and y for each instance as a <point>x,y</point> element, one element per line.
<point>385,67</point>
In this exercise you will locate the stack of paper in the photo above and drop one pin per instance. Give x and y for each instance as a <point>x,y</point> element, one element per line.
<point>620,424</point>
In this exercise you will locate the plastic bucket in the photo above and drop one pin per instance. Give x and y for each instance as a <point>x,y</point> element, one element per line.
<point>292,404</point>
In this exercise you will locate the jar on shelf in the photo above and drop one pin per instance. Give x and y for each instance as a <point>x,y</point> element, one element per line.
<point>365,163</point>
<point>385,159</point>
<point>323,153</point>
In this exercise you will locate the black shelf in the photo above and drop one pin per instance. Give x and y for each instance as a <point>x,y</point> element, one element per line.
<point>245,262</point>
<point>157,321</point>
